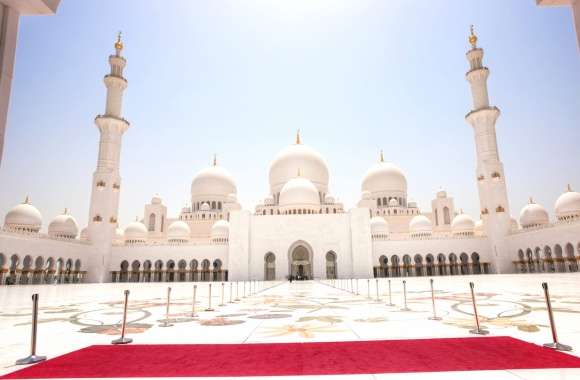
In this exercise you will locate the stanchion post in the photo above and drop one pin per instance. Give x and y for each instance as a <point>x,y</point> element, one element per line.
<point>390,295</point>
<point>209,308</point>
<point>237,291</point>
<point>377,286</point>
<point>405,308</point>
<point>555,344</point>
<point>244,289</point>
<point>368,288</point>
<point>166,321</point>
<point>357,293</point>
<point>434,317</point>
<point>222,304</point>
<point>193,315</point>
<point>122,339</point>
<point>33,358</point>
<point>478,329</point>
<point>231,287</point>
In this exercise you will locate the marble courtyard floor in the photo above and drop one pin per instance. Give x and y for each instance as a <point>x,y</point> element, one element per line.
<point>75,316</point>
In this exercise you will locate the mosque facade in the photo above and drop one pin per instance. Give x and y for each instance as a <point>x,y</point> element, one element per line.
<point>300,229</point>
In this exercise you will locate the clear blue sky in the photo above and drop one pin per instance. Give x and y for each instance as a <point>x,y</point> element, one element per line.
<point>239,77</point>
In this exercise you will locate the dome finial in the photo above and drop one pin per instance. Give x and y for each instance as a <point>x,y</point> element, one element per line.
<point>299,172</point>
<point>531,200</point>
<point>27,200</point>
<point>569,188</point>
<point>472,37</point>
<point>382,158</point>
<point>119,43</point>
<point>65,211</point>
<point>298,141</point>
<point>214,159</point>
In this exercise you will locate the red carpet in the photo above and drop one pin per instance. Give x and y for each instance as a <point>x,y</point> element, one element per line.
<point>272,359</point>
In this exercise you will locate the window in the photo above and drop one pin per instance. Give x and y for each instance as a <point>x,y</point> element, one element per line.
<point>446,216</point>
<point>152,222</point>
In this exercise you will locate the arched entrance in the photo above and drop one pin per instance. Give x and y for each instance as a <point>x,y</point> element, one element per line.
<point>300,261</point>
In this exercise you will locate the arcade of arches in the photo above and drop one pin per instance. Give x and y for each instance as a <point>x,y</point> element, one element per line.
<point>29,270</point>
<point>170,271</point>
<point>440,265</point>
<point>548,259</point>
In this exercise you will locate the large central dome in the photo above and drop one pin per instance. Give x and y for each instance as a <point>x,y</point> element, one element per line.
<point>213,181</point>
<point>298,157</point>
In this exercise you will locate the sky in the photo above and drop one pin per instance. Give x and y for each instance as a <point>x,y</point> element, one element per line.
<point>237,78</point>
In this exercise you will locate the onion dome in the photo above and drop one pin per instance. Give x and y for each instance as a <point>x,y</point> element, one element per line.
<point>568,205</point>
<point>178,231</point>
<point>533,215</point>
<point>135,232</point>
<point>298,156</point>
<point>379,227</point>
<point>299,193</point>
<point>479,228</point>
<point>442,193</point>
<point>462,224</point>
<point>204,206</point>
<point>329,199</point>
<point>385,177</point>
<point>63,226</point>
<point>220,231</point>
<point>393,202</point>
<point>420,226</point>
<point>213,181</point>
<point>23,218</point>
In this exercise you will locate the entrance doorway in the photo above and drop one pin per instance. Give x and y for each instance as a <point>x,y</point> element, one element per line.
<point>301,263</point>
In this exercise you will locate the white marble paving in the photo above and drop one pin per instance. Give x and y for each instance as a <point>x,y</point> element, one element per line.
<point>75,316</point>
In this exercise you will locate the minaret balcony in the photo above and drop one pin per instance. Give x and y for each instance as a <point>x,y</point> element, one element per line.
<point>483,116</point>
<point>477,74</point>
<point>115,81</point>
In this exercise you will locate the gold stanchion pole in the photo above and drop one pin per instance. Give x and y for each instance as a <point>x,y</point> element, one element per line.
<point>193,315</point>
<point>122,339</point>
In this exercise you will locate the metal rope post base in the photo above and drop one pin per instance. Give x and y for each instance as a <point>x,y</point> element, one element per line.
<point>434,317</point>
<point>33,358</point>
<point>122,339</point>
<point>555,344</point>
<point>405,308</point>
<point>478,330</point>
<point>166,321</point>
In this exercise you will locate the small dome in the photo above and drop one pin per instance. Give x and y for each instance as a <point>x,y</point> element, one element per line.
<point>156,200</point>
<point>329,199</point>
<point>420,224</point>
<point>384,177</point>
<point>204,206</point>
<point>463,224</point>
<point>568,205</point>
<point>533,215</point>
<point>135,231</point>
<point>220,230</point>
<point>300,192</point>
<point>63,226</point>
<point>213,181</point>
<point>379,226</point>
<point>24,218</point>
<point>85,233</point>
<point>442,193</point>
<point>479,228</point>
<point>393,202</point>
<point>178,230</point>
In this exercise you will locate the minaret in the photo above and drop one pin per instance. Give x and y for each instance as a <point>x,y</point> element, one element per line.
<point>106,179</point>
<point>490,176</point>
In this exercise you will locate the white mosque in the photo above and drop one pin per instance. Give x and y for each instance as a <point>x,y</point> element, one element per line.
<point>300,229</point>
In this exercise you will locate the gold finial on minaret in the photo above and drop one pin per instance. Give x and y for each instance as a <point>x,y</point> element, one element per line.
<point>569,188</point>
<point>298,141</point>
<point>472,37</point>
<point>382,158</point>
<point>27,200</point>
<point>119,43</point>
<point>214,159</point>
<point>299,172</point>
<point>531,200</point>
